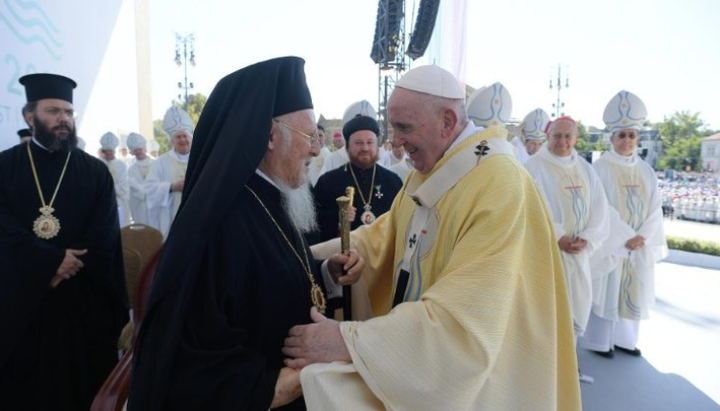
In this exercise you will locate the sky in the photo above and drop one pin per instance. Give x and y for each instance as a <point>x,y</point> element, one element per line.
<point>666,52</point>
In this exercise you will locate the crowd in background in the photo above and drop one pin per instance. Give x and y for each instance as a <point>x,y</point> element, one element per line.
<point>691,195</point>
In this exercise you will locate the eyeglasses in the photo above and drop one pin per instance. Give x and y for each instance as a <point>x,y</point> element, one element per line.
<point>310,139</point>
<point>630,134</point>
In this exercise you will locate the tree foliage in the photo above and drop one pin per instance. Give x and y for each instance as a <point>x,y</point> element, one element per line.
<point>160,136</point>
<point>195,105</point>
<point>681,136</point>
<point>584,142</point>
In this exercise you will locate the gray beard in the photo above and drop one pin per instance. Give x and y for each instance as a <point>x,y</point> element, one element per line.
<point>299,206</point>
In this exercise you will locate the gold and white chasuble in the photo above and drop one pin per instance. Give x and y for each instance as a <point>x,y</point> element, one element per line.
<point>485,321</point>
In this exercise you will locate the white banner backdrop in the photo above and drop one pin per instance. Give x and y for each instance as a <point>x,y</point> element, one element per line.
<point>448,43</point>
<point>67,37</point>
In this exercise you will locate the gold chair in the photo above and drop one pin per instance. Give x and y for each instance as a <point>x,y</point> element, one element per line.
<point>133,265</point>
<point>143,239</point>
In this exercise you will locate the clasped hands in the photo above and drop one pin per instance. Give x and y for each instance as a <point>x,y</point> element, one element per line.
<point>177,186</point>
<point>635,243</point>
<point>572,246</point>
<point>320,341</point>
<point>70,266</point>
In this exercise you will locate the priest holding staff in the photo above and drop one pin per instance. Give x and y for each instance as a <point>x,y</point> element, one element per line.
<point>463,280</point>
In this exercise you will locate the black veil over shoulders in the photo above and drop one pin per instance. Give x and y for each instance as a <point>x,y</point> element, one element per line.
<point>229,142</point>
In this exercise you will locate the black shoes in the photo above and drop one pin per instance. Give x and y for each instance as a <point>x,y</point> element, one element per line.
<point>606,354</point>
<point>635,352</point>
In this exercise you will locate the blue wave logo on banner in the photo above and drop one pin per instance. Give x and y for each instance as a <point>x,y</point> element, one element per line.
<point>31,25</point>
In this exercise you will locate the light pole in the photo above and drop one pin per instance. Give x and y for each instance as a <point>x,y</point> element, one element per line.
<point>181,59</point>
<point>559,105</point>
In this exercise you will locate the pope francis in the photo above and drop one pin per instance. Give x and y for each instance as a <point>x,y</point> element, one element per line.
<point>463,294</point>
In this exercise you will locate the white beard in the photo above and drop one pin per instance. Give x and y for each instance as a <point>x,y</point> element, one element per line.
<point>299,206</point>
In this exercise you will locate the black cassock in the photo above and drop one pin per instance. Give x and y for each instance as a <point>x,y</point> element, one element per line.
<point>248,291</point>
<point>332,184</point>
<point>58,345</point>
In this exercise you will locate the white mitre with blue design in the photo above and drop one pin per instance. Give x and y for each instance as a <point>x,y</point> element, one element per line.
<point>176,120</point>
<point>625,110</point>
<point>490,106</point>
<point>109,141</point>
<point>135,141</point>
<point>534,125</point>
<point>360,108</point>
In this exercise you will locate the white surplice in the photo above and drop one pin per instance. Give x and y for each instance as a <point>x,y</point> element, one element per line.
<point>579,209</point>
<point>316,166</point>
<point>624,287</point>
<point>118,169</point>
<point>137,173</point>
<point>388,159</point>
<point>335,159</point>
<point>402,168</point>
<point>520,152</point>
<point>632,190</point>
<point>162,204</point>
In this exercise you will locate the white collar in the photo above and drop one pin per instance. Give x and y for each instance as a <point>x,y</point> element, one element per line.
<point>266,178</point>
<point>431,190</point>
<point>616,158</point>
<point>183,158</point>
<point>469,130</point>
<point>563,162</point>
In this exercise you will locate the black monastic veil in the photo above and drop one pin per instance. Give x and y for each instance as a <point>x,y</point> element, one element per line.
<point>228,287</point>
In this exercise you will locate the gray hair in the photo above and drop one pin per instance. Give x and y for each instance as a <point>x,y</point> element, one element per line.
<point>438,104</point>
<point>284,132</point>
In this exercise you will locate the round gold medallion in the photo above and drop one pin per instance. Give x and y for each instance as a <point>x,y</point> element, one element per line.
<point>367,217</point>
<point>46,226</point>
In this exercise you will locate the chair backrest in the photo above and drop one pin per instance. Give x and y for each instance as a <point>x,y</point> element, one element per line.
<point>133,265</point>
<point>115,391</point>
<point>143,290</point>
<point>143,239</point>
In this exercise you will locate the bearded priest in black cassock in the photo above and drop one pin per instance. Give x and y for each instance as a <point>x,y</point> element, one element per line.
<point>375,186</point>
<point>236,273</point>
<point>63,299</point>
